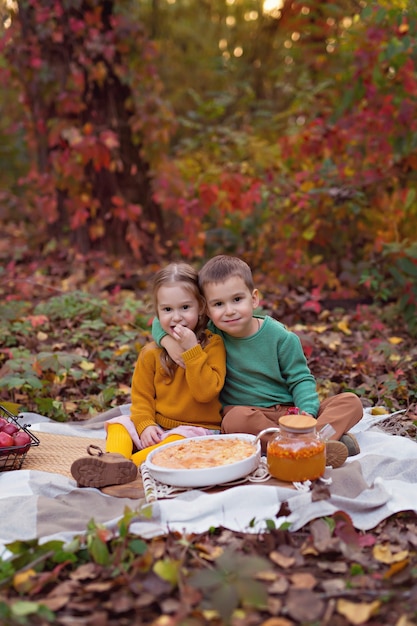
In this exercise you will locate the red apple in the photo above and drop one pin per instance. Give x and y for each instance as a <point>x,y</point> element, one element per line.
<point>22,440</point>
<point>3,421</point>
<point>10,428</point>
<point>6,440</point>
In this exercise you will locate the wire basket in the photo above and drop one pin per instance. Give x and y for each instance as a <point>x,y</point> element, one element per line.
<point>12,457</point>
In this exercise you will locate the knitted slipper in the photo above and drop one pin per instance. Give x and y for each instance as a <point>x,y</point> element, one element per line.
<point>351,444</point>
<point>336,453</point>
<point>101,469</point>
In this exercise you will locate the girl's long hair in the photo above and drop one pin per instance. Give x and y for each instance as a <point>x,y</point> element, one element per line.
<point>188,277</point>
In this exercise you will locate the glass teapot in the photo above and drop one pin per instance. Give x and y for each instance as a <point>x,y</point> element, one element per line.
<point>298,452</point>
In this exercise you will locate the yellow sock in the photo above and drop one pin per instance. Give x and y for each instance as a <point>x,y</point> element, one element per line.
<point>139,457</point>
<point>119,440</point>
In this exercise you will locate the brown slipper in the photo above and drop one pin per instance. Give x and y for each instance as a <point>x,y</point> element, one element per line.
<point>101,469</point>
<point>336,453</point>
<point>351,444</point>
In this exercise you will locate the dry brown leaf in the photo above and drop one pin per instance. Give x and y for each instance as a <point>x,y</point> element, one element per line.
<point>279,586</point>
<point>88,570</point>
<point>212,553</point>
<point>304,606</point>
<point>277,621</point>
<point>357,612</point>
<point>303,580</point>
<point>334,586</point>
<point>55,603</point>
<point>267,576</point>
<point>274,605</point>
<point>280,559</point>
<point>404,621</point>
<point>337,567</point>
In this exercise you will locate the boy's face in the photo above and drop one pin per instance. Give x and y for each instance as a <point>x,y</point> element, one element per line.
<point>230,306</point>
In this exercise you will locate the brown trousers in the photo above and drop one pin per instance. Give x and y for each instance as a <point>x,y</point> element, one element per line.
<point>342,412</point>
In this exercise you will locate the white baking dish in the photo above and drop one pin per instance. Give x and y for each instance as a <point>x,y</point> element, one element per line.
<point>206,477</point>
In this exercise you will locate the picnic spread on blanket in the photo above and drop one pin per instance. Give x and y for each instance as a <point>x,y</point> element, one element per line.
<point>41,500</point>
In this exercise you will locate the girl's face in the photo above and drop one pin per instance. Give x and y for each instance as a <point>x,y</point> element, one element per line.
<point>176,304</point>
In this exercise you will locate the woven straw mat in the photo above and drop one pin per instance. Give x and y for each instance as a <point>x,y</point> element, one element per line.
<point>56,453</point>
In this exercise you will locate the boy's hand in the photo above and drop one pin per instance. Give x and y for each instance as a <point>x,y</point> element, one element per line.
<point>151,435</point>
<point>174,349</point>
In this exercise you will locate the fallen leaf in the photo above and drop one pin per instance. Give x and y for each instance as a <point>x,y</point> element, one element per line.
<point>277,621</point>
<point>355,612</point>
<point>343,326</point>
<point>280,559</point>
<point>303,580</point>
<point>395,340</point>
<point>87,366</point>
<point>304,606</point>
<point>395,568</point>
<point>23,581</point>
<point>210,553</point>
<point>383,554</point>
<point>37,320</point>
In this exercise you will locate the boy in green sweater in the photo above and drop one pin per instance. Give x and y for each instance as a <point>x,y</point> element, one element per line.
<point>267,372</point>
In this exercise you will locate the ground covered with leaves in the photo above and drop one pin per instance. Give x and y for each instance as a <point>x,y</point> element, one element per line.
<point>325,574</point>
<point>70,333</point>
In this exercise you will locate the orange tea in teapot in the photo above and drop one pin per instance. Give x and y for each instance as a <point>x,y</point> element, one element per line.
<point>297,453</point>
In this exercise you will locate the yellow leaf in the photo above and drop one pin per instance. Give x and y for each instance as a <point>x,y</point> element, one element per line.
<point>121,350</point>
<point>383,554</point>
<point>379,410</point>
<point>22,581</point>
<point>210,555</point>
<point>394,358</point>
<point>319,329</point>
<point>342,325</point>
<point>357,613</point>
<point>395,568</point>
<point>395,340</point>
<point>12,407</point>
<point>41,336</point>
<point>87,366</point>
<point>167,569</point>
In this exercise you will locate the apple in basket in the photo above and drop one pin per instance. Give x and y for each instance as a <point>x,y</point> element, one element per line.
<point>10,429</point>
<point>6,441</point>
<point>22,440</point>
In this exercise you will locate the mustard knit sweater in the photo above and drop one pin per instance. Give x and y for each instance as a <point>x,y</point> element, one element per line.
<point>190,398</point>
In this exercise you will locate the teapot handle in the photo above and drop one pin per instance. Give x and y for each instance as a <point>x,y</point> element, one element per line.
<point>266,431</point>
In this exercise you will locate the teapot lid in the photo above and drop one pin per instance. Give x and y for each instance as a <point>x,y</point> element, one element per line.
<point>298,423</point>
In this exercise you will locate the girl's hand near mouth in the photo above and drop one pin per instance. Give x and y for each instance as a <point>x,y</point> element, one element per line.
<point>185,337</point>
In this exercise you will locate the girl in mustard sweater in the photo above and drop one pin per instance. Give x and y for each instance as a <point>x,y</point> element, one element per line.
<point>168,402</point>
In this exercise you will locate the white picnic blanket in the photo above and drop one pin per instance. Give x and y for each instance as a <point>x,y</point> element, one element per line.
<point>380,481</point>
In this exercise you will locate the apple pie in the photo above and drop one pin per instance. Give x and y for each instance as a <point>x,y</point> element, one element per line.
<point>204,453</point>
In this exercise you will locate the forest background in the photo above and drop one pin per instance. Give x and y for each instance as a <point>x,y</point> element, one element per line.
<point>135,133</point>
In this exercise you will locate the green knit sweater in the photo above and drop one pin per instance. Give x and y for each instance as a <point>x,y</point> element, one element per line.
<point>264,369</point>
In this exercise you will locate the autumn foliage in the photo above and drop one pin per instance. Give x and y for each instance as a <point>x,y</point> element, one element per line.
<point>321,193</point>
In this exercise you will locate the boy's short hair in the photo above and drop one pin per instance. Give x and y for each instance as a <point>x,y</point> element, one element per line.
<point>221,267</point>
